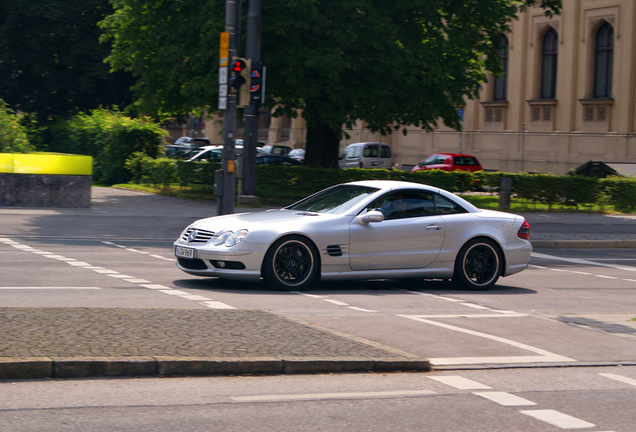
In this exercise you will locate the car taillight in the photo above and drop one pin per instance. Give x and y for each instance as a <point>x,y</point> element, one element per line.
<point>524,231</point>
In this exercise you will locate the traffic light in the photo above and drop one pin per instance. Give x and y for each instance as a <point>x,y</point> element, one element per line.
<point>240,79</point>
<point>257,82</point>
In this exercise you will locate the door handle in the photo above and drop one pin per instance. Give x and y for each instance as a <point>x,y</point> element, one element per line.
<point>434,227</point>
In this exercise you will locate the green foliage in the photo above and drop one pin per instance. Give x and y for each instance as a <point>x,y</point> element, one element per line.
<point>111,138</point>
<point>51,61</point>
<point>391,64</point>
<point>621,192</point>
<point>13,136</point>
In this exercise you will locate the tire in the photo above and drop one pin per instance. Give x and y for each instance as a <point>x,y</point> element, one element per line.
<point>291,263</point>
<point>478,265</point>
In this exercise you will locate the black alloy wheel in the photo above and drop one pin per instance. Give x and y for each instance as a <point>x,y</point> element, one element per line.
<point>478,265</point>
<point>291,263</point>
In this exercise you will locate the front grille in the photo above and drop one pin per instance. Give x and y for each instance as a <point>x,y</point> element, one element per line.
<point>193,235</point>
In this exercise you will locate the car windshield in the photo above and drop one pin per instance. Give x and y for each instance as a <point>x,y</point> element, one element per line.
<point>335,200</point>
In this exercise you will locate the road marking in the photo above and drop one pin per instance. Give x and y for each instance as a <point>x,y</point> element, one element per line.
<point>544,356</point>
<point>619,378</point>
<point>336,302</point>
<point>474,306</point>
<point>505,399</point>
<point>216,305</point>
<point>460,383</point>
<point>205,301</point>
<point>507,315</point>
<point>360,309</point>
<point>49,288</point>
<point>314,396</point>
<point>558,419</point>
<point>582,261</point>
<point>606,277</point>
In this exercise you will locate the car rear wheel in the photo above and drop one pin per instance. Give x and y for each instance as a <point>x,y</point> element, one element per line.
<point>291,263</point>
<point>478,265</point>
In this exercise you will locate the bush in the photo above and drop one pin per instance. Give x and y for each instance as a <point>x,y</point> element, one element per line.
<point>13,136</point>
<point>621,192</point>
<point>110,138</point>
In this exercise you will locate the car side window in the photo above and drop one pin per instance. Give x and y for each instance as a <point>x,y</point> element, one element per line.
<point>386,152</point>
<point>404,204</point>
<point>445,206</point>
<point>371,151</point>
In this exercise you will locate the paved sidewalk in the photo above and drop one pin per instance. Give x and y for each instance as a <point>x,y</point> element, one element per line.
<point>83,342</point>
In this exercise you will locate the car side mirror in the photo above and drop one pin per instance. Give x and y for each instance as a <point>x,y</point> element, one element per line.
<point>371,216</point>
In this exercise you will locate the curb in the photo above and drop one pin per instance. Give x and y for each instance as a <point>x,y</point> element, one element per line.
<point>584,244</point>
<point>84,367</point>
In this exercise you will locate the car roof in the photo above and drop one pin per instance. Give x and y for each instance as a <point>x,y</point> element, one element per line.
<point>454,154</point>
<point>389,185</point>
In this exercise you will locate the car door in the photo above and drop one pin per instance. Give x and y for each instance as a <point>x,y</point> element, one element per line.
<point>408,238</point>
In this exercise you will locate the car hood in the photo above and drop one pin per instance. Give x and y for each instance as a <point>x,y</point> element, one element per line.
<point>290,219</point>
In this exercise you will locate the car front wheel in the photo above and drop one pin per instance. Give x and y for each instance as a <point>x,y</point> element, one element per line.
<point>478,265</point>
<point>291,263</point>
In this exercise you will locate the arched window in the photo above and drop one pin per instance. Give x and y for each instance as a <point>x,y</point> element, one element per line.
<point>603,61</point>
<point>549,64</point>
<point>501,83</point>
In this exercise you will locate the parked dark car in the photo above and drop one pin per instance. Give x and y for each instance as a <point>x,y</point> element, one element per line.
<point>270,159</point>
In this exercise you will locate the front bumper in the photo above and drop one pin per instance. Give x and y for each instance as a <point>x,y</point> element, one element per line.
<point>242,262</point>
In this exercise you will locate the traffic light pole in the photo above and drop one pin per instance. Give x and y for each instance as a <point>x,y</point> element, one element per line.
<point>228,179</point>
<point>250,113</point>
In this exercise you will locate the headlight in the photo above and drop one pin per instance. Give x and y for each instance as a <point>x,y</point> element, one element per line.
<point>221,238</point>
<point>229,238</point>
<point>236,238</point>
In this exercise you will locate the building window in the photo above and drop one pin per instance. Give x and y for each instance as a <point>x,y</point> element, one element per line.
<point>604,61</point>
<point>549,64</point>
<point>500,84</point>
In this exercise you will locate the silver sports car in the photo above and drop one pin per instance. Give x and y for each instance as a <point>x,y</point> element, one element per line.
<point>360,230</point>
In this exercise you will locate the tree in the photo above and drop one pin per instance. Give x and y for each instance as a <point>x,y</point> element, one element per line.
<point>13,136</point>
<point>390,63</point>
<point>51,61</point>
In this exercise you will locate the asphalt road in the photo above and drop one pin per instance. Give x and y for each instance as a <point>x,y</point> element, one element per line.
<point>549,349</point>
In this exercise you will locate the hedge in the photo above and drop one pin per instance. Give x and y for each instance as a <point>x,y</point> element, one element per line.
<point>296,182</point>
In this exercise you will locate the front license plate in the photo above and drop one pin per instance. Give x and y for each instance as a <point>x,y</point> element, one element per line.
<point>184,252</point>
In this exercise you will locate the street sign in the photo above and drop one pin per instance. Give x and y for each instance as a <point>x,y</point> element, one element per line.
<point>460,114</point>
<point>224,51</point>
<point>255,74</point>
<point>223,75</point>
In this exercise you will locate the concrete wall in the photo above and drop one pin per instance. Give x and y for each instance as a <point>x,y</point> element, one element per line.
<point>42,190</point>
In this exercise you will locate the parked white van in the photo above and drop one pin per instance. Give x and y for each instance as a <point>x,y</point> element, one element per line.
<point>366,155</point>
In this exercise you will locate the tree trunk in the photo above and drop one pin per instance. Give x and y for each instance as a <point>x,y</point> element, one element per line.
<point>322,147</point>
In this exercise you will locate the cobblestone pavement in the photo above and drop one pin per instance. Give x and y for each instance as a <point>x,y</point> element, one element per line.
<point>63,342</point>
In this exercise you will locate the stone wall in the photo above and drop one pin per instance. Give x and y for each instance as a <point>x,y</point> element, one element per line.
<point>43,190</point>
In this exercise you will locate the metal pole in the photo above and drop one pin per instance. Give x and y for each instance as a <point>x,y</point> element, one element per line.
<point>226,201</point>
<point>250,113</point>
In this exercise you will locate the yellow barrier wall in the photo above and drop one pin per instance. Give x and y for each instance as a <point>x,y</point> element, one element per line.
<point>46,163</point>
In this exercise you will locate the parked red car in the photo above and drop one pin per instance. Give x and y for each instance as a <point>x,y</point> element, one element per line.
<point>449,162</point>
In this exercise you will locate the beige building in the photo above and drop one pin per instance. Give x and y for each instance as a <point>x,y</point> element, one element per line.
<point>568,97</point>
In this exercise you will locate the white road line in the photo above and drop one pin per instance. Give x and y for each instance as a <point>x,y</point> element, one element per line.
<point>49,288</point>
<point>507,315</point>
<point>339,303</point>
<point>173,292</point>
<point>360,309</point>
<point>558,419</point>
<point>310,396</point>
<point>137,281</point>
<point>505,399</point>
<point>581,261</point>
<point>216,305</point>
<point>120,276</point>
<point>606,277</point>
<point>619,378</point>
<point>460,383</point>
<point>155,286</point>
<point>474,306</point>
<point>544,356</point>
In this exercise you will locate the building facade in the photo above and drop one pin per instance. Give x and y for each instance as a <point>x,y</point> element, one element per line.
<point>567,97</point>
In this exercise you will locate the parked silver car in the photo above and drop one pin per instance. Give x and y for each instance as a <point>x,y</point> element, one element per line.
<point>366,155</point>
<point>361,230</point>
